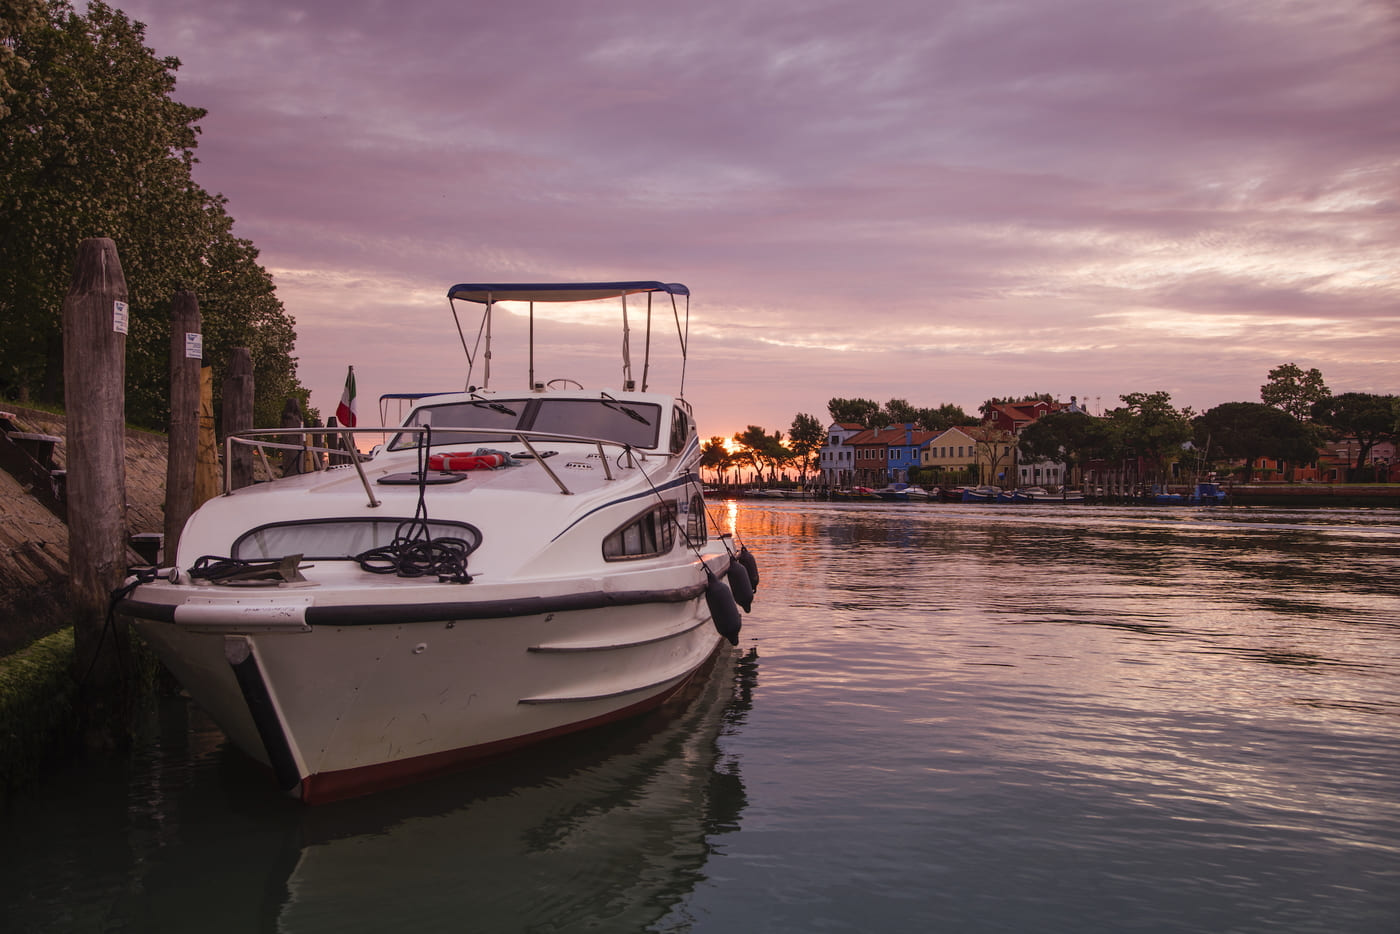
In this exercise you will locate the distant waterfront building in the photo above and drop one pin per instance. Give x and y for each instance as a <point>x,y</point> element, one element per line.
<point>887,455</point>
<point>836,466</point>
<point>1043,473</point>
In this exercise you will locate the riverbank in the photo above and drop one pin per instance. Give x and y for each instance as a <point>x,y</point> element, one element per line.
<point>38,717</point>
<point>1315,494</point>
<point>34,542</point>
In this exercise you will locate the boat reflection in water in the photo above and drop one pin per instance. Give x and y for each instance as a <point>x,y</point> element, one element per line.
<point>606,831</point>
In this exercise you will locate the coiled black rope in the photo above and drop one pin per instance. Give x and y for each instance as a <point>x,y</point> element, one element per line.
<point>216,569</point>
<point>418,555</point>
<point>414,552</point>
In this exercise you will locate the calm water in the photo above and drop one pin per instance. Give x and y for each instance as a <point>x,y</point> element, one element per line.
<point>940,718</point>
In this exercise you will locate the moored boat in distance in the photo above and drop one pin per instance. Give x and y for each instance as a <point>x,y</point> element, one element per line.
<point>510,566</point>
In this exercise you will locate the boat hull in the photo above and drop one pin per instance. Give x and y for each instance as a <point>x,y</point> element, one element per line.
<point>342,709</point>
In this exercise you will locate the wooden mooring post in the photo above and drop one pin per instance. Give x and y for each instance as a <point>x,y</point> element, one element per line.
<point>94,374</point>
<point>186,358</point>
<point>238,414</point>
<point>206,477</point>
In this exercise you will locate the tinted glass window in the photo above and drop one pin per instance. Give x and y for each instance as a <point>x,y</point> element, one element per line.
<point>502,414</point>
<point>623,422</point>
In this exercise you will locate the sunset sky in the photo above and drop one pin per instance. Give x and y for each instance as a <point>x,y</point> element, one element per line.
<point>935,200</point>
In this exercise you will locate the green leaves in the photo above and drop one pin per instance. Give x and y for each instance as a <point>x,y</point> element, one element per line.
<point>1365,417</point>
<point>1294,391</point>
<point>1250,430</point>
<point>92,143</point>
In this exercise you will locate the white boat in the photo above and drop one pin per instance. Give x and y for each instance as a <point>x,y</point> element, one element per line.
<point>508,567</point>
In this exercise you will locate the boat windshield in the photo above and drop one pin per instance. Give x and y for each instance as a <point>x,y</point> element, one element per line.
<point>620,421</point>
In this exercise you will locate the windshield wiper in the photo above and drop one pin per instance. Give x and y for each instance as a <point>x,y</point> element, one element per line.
<point>477,400</point>
<point>612,403</point>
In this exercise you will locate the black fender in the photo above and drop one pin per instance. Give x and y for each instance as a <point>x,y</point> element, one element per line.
<point>739,585</point>
<point>724,612</point>
<point>750,564</point>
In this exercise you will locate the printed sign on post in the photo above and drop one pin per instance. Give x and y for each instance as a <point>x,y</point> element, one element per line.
<point>119,317</point>
<point>194,346</point>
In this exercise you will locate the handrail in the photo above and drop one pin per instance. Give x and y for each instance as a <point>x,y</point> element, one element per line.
<point>255,438</point>
<point>250,438</point>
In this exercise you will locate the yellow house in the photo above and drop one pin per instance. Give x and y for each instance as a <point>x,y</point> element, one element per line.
<point>988,453</point>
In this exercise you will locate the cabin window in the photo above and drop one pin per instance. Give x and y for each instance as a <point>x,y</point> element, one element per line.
<point>650,534</point>
<point>695,528</point>
<point>494,420</point>
<point>333,539</point>
<point>624,422</point>
<point>680,430</point>
<point>497,420</point>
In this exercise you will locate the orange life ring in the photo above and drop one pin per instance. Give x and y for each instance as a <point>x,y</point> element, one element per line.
<point>464,460</point>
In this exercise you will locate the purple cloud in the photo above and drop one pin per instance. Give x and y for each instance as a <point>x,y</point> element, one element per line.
<point>941,202</point>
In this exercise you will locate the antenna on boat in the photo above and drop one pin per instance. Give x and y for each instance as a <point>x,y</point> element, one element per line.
<point>490,306</point>
<point>627,382</point>
<point>646,356</point>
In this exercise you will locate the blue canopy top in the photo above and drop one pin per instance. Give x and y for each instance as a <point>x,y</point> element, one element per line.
<point>557,291</point>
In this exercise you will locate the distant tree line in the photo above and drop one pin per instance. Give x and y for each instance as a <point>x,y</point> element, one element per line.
<point>1296,415</point>
<point>92,144</point>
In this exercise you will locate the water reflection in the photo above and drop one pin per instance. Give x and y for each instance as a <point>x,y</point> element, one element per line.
<point>604,831</point>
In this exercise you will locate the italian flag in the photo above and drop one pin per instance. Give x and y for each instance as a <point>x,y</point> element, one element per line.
<point>345,412</point>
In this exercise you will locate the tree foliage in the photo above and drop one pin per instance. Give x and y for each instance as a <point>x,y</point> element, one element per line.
<point>1250,430</point>
<point>1070,438</point>
<point>899,412</point>
<point>764,451</point>
<point>16,18</point>
<point>868,413</point>
<point>1294,391</point>
<point>805,438</point>
<point>93,144</point>
<point>716,456</point>
<point>1149,427</point>
<point>944,417</point>
<point>857,411</point>
<point>1365,417</point>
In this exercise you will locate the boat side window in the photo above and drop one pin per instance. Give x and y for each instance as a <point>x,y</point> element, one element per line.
<point>695,529</point>
<point>331,539</point>
<point>648,535</point>
<point>624,422</point>
<point>496,414</point>
<point>680,430</point>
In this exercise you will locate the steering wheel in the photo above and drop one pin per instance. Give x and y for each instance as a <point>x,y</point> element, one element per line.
<point>564,384</point>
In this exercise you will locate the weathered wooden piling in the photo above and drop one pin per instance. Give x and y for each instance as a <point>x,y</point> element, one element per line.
<point>238,413</point>
<point>186,359</point>
<point>206,476</point>
<point>292,461</point>
<point>94,373</point>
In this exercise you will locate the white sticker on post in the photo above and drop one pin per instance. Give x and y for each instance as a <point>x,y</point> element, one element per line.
<point>194,346</point>
<point>119,317</point>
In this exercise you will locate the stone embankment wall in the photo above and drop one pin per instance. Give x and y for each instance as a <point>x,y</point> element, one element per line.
<point>34,542</point>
